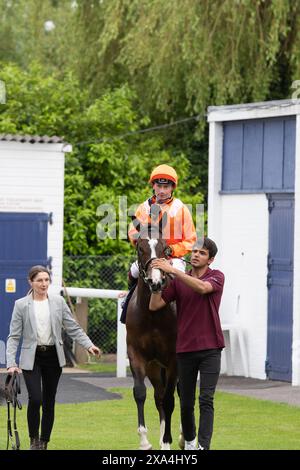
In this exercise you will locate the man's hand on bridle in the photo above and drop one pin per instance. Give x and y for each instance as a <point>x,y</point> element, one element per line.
<point>162,264</point>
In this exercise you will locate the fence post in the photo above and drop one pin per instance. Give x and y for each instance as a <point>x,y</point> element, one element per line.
<point>121,344</point>
<point>81,310</point>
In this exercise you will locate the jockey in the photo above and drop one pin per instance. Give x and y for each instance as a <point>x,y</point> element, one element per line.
<point>179,231</point>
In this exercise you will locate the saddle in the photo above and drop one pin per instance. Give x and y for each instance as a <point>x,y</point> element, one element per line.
<point>12,390</point>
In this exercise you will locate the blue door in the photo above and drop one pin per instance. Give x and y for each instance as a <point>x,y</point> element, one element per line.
<point>280,287</point>
<point>23,243</point>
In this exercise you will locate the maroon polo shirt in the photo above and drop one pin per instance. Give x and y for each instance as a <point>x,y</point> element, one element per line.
<point>198,321</point>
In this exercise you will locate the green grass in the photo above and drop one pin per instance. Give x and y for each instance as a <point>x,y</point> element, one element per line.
<point>240,423</point>
<point>104,367</point>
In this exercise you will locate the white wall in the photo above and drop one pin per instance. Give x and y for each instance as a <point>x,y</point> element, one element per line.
<point>32,180</point>
<point>242,237</point>
<point>239,226</point>
<point>253,209</point>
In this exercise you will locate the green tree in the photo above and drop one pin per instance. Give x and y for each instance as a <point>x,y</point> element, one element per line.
<point>183,55</point>
<point>178,56</point>
<point>104,163</point>
<point>24,36</point>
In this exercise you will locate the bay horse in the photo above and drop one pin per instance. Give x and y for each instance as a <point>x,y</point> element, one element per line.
<point>151,338</point>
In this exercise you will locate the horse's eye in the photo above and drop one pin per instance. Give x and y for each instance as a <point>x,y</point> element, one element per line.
<point>140,250</point>
<point>167,251</point>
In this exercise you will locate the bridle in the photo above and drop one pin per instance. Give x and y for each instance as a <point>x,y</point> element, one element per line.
<point>143,268</point>
<point>143,274</point>
<point>12,389</point>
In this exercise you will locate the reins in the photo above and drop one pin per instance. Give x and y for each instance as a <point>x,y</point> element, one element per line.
<point>12,390</point>
<point>143,269</point>
<point>182,259</point>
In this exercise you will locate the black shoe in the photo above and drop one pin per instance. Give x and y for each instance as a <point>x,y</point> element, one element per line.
<point>34,443</point>
<point>43,445</point>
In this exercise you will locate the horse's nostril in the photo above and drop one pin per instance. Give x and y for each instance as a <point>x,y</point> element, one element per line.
<point>156,287</point>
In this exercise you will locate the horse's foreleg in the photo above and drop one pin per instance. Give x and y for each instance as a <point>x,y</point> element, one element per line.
<point>139,393</point>
<point>168,407</point>
<point>181,441</point>
<point>157,377</point>
<point>158,396</point>
<point>138,369</point>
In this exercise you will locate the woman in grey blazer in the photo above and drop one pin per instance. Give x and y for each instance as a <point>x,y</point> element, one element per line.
<point>38,319</point>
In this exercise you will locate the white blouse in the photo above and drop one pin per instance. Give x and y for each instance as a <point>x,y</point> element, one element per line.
<point>43,322</point>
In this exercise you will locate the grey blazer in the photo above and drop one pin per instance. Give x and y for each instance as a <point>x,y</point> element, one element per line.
<point>23,325</point>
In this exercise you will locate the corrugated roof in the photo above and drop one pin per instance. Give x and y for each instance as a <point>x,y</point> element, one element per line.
<point>32,139</point>
<point>255,105</point>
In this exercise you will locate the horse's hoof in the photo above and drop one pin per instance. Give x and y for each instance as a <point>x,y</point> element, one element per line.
<point>146,446</point>
<point>181,442</point>
<point>165,446</point>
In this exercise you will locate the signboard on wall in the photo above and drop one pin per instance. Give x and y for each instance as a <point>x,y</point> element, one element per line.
<point>10,286</point>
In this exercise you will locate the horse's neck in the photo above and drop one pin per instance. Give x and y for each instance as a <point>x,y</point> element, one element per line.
<point>143,294</point>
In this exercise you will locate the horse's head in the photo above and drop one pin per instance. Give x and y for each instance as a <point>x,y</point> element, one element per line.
<point>151,245</point>
<point>148,249</point>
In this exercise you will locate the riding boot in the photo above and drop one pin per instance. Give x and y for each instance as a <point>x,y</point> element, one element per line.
<point>132,281</point>
<point>43,445</point>
<point>34,443</point>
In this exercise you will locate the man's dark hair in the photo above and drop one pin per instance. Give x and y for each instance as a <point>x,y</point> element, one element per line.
<point>208,244</point>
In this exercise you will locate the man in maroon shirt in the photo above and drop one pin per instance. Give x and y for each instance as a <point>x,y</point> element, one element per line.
<point>199,336</point>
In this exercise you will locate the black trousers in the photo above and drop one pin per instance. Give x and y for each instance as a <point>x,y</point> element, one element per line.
<point>208,363</point>
<point>41,383</point>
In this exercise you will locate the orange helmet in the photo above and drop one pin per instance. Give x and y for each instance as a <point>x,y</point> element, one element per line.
<point>164,174</point>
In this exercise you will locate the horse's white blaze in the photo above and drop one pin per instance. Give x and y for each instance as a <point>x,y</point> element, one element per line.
<point>156,273</point>
<point>144,443</point>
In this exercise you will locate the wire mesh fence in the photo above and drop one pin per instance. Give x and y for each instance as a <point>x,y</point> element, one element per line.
<point>99,272</point>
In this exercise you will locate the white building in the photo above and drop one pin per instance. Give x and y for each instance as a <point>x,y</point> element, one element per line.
<point>31,215</point>
<point>254,217</point>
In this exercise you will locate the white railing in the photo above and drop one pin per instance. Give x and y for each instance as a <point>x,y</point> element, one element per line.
<point>80,292</point>
<point>122,361</point>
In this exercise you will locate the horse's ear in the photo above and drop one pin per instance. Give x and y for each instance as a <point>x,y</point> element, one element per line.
<point>162,222</point>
